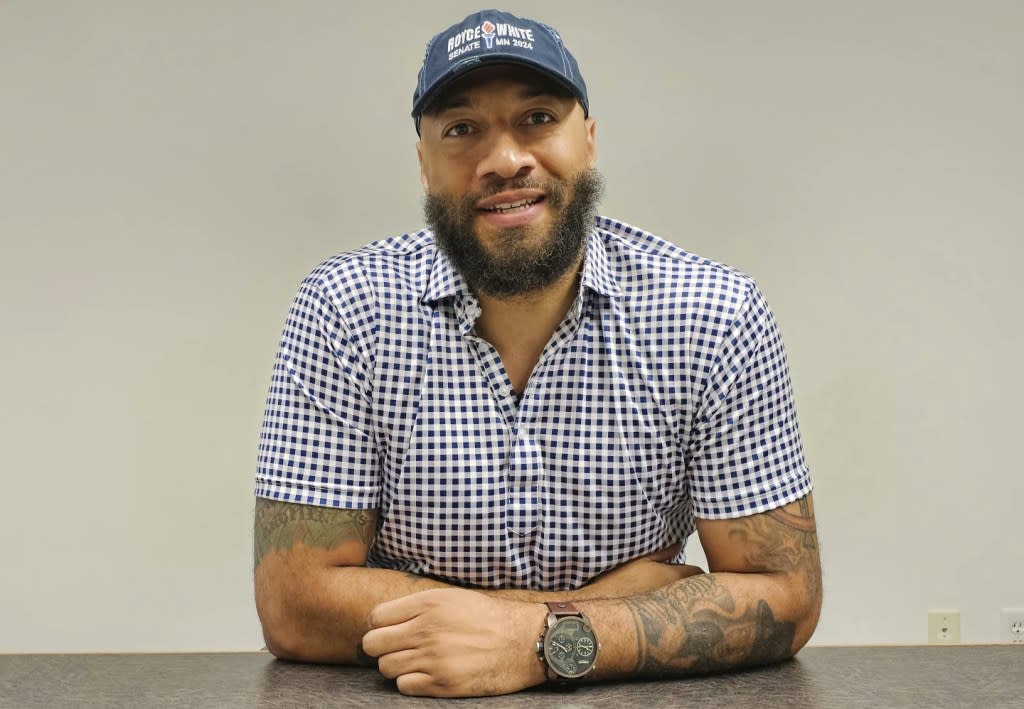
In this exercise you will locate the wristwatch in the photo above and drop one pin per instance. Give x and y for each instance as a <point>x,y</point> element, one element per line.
<point>568,646</point>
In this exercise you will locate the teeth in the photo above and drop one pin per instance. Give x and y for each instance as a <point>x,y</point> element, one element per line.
<point>502,208</point>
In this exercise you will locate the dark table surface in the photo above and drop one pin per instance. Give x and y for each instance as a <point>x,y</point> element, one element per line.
<point>974,676</point>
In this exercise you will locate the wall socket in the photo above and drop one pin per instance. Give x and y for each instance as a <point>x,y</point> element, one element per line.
<point>943,627</point>
<point>1011,627</point>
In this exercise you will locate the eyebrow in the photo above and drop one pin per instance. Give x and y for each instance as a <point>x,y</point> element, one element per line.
<point>461,99</point>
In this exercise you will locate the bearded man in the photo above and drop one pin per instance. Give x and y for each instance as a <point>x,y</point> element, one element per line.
<point>487,442</point>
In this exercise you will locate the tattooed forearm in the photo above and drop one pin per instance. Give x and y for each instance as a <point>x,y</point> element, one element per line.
<point>695,626</point>
<point>282,525</point>
<point>718,621</point>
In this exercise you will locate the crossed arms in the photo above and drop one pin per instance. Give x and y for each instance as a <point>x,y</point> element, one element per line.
<point>317,602</point>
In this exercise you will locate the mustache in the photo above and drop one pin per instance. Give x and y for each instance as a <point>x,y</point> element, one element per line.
<point>553,189</point>
<point>516,183</point>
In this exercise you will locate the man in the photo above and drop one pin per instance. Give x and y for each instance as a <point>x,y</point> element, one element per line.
<point>486,442</point>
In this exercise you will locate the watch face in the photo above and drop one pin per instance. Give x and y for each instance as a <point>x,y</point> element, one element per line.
<point>570,647</point>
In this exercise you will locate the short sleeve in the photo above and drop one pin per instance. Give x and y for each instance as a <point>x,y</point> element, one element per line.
<point>745,452</point>
<point>317,444</point>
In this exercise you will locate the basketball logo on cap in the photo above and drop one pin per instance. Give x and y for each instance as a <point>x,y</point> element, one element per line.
<point>487,30</point>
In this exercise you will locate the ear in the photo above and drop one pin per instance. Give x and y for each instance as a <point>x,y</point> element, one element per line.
<point>423,171</point>
<point>590,125</point>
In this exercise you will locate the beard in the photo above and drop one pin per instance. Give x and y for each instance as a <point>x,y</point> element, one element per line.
<point>514,267</point>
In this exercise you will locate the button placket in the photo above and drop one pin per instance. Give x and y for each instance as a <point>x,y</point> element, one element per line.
<point>523,485</point>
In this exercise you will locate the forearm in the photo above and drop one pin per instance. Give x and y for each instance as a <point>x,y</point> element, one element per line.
<point>314,593</point>
<point>708,623</point>
<point>322,616</point>
<point>588,592</point>
<point>634,577</point>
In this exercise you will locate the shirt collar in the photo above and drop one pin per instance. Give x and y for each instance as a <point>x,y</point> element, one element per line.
<point>445,281</point>
<point>597,271</point>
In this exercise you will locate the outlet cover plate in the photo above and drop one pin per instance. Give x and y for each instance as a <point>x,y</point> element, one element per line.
<point>943,627</point>
<point>1011,626</point>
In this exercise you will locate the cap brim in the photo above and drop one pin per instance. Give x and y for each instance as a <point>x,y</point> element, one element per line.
<point>493,58</point>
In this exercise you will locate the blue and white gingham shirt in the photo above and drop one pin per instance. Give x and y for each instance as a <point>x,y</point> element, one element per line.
<point>663,394</point>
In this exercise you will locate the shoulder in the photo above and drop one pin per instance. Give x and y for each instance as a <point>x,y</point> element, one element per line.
<point>390,267</point>
<point>648,267</point>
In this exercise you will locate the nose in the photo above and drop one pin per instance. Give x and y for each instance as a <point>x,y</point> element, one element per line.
<point>505,157</point>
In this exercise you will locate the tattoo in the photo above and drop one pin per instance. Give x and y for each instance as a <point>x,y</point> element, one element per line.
<point>282,525</point>
<point>697,625</point>
<point>774,541</point>
<point>804,523</point>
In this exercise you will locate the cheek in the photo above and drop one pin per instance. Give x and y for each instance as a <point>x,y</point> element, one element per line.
<point>568,156</point>
<point>448,177</point>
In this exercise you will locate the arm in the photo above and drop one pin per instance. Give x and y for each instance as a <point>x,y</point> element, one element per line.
<point>759,605</point>
<point>761,602</point>
<point>314,595</point>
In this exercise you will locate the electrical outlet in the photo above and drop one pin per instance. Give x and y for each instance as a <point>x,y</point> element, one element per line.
<point>1012,626</point>
<point>943,627</point>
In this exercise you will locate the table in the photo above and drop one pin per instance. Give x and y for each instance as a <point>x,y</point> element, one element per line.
<point>929,676</point>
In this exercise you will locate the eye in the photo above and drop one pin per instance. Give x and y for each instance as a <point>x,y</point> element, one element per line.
<point>539,118</point>
<point>458,129</point>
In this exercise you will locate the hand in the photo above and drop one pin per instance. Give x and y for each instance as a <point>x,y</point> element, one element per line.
<point>452,642</point>
<point>640,575</point>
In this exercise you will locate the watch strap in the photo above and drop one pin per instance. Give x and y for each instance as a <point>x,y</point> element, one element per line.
<point>561,609</point>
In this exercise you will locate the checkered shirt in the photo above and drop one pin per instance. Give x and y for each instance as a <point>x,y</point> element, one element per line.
<point>663,394</point>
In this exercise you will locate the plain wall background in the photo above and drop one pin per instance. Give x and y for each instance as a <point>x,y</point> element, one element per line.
<point>169,171</point>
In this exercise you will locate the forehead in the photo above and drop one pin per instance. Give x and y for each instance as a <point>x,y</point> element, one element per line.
<point>522,80</point>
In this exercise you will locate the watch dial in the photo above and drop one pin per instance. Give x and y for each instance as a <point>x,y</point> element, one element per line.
<point>570,647</point>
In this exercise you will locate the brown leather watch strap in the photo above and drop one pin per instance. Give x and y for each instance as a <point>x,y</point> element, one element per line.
<point>561,608</point>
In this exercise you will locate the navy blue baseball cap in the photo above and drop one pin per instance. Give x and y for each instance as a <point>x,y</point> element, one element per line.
<point>495,37</point>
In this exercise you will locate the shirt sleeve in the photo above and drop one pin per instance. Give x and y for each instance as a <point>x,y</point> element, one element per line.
<point>745,451</point>
<point>316,443</point>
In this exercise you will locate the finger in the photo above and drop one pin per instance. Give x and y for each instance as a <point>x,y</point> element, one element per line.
<point>395,664</point>
<point>418,684</point>
<point>397,610</point>
<point>666,554</point>
<point>389,638</point>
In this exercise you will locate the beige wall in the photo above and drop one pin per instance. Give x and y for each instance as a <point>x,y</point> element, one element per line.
<point>170,170</point>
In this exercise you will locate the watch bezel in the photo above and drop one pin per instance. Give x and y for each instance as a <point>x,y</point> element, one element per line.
<point>552,626</point>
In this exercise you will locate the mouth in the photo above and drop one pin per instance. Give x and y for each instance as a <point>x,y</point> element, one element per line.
<point>506,207</point>
<point>512,208</point>
<point>510,200</point>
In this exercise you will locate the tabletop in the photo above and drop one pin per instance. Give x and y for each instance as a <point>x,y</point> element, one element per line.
<point>987,676</point>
